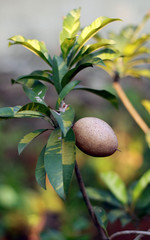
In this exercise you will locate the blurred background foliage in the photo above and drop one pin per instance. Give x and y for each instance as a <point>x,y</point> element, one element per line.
<point>26,210</point>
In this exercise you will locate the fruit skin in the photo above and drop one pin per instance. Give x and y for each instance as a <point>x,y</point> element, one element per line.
<point>95,137</point>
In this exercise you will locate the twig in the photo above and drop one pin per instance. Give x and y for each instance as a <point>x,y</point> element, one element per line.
<point>89,206</point>
<point>129,106</point>
<point>129,232</point>
<point>140,236</point>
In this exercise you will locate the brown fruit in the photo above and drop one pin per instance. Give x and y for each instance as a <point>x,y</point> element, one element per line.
<point>95,137</point>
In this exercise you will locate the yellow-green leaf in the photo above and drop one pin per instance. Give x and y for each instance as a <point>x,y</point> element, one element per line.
<point>59,160</point>
<point>40,173</point>
<point>71,25</point>
<point>35,46</point>
<point>115,185</point>
<point>24,142</point>
<point>140,186</point>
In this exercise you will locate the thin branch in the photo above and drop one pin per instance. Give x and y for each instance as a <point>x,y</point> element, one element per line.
<point>138,119</point>
<point>89,206</point>
<point>128,232</point>
<point>140,236</point>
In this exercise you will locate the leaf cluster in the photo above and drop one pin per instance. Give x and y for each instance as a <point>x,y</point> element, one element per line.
<point>57,158</point>
<point>132,52</point>
<point>126,204</point>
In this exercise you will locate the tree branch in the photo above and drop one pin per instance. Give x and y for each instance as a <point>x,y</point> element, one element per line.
<point>129,232</point>
<point>135,115</point>
<point>89,206</point>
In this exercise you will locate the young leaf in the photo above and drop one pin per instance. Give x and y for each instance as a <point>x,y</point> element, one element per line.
<point>24,142</point>
<point>40,173</point>
<point>66,46</point>
<point>33,45</point>
<point>59,160</point>
<point>89,31</point>
<point>59,70</point>
<point>68,88</point>
<point>101,93</point>
<point>35,107</point>
<point>71,25</point>
<point>140,186</point>
<point>115,185</point>
<point>101,217</point>
<point>64,119</point>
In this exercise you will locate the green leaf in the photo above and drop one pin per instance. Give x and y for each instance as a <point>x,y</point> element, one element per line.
<point>68,158</point>
<point>73,72</point>
<point>144,200</point>
<point>53,162</point>
<point>14,112</point>
<point>35,107</point>
<point>33,45</point>
<point>91,60</point>
<point>36,75</point>
<point>71,25</point>
<point>115,185</point>
<point>40,173</point>
<point>107,54</point>
<point>64,119</point>
<point>102,196</point>
<point>24,142</point>
<point>101,93</point>
<point>59,70</point>
<point>140,186</point>
<point>115,214</point>
<point>8,112</point>
<point>89,31</point>
<point>29,114</point>
<point>36,93</point>
<point>59,160</point>
<point>101,217</point>
<point>68,88</point>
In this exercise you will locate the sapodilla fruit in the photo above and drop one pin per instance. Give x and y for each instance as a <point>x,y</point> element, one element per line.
<point>95,137</point>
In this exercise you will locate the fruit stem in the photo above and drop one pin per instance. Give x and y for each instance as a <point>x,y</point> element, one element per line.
<point>135,115</point>
<point>88,204</point>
